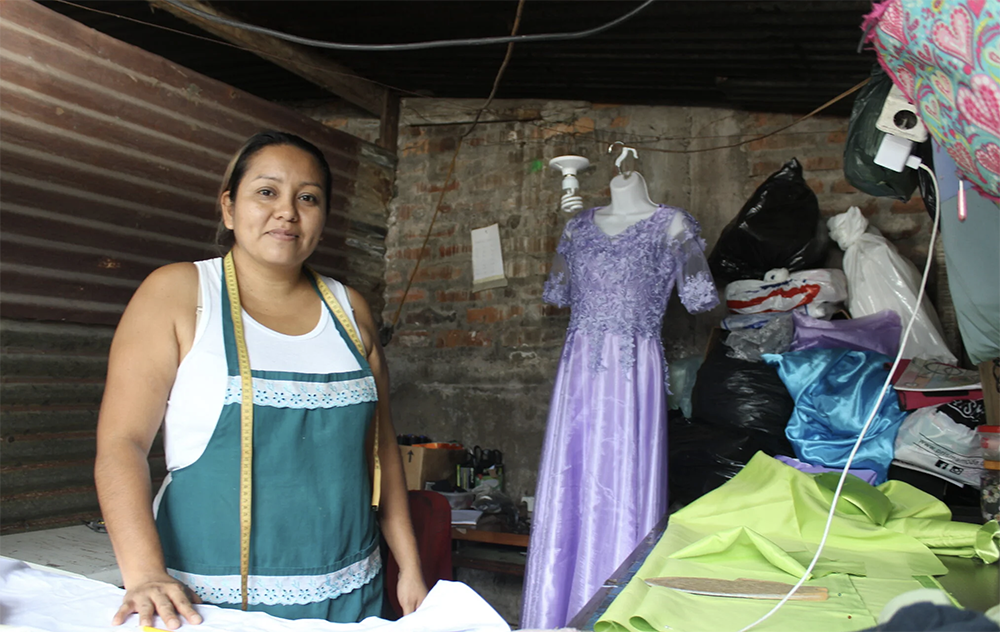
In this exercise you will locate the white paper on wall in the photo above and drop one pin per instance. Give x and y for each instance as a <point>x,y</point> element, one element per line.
<point>487,259</point>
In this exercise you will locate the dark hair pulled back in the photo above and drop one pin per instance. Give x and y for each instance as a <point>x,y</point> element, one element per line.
<point>237,168</point>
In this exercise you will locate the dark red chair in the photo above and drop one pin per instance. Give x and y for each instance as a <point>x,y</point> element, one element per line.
<point>431,516</point>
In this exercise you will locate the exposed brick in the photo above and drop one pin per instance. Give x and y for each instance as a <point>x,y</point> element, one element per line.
<point>782,141</point>
<point>868,209</point>
<point>453,296</point>
<point>443,144</point>
<point>437,273</point>
<point>842,186</point>
<point>428,316</point>
<point>823,163</point>
<point>914,205</point>
<point>393,277</point>
<point>439,232</point>
<point>425,187</point>
<point>536,336</point>
<point>764,167</point>
<point>461,338</point>
<point>816,185</point>
<point>415,148</point>
<point>413,296</point>
<point>404,212</point>
<point>837,137</point>
<point>412,339</point>
<point>411,254</point>
<point>484,315</point>
<point>765,120</point>
<point>458,249</point>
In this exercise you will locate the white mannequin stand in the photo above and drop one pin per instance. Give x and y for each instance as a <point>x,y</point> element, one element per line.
<point>630,204</point>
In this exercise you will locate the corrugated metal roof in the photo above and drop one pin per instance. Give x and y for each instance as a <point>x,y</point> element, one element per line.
<point>111,159</point>
<point>763,56</point>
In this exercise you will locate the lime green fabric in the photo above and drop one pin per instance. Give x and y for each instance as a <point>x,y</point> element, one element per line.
<point>765,524</point>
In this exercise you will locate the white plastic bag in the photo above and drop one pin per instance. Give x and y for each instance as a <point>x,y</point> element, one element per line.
<point>879,278</point>
<point>936,444</point>
<point>783,291</point>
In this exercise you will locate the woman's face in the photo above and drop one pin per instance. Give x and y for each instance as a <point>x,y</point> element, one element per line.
<point>279,209</point>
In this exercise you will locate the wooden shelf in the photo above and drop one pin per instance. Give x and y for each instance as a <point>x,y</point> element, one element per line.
<point>488,557</point>
<point>489,537</point>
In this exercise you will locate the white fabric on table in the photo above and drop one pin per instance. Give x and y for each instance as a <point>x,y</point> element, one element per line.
<point>32,599</point>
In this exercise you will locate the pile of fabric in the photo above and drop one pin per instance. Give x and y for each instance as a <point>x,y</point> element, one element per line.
<point>766,523</point>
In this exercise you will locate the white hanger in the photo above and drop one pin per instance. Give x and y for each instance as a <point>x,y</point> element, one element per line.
<point>621,158</point>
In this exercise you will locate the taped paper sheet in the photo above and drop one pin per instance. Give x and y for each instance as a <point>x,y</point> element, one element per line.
<point>487,259</point>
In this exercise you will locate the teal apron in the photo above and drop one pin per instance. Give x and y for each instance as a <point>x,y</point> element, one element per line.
<point>314,542</point>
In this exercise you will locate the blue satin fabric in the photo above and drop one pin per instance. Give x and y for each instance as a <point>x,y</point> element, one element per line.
<point>834,391</point>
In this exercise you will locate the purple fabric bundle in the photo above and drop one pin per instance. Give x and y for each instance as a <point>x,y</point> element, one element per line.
<point>879,332</point>
<point>868,476</point>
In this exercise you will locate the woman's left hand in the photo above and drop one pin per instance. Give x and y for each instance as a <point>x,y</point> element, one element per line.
<point>411,590</point>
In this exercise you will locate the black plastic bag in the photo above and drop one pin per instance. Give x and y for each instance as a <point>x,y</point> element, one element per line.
<point>741,394</point>
<point>739,408</point>
<point>863,140</point>
<point>778,227</point>
<point>703,455</point>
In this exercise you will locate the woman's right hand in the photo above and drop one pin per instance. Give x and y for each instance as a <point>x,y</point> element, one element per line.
<point>162,595</point>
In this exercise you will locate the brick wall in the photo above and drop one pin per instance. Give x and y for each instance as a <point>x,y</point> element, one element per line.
<point>479,367</point>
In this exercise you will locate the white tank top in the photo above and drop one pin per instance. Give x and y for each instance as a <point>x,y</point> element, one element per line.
<point>199,390</point>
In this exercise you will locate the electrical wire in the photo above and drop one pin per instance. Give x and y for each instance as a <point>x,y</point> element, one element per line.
<point>633,138</point>
<point>248,49</point>
<point>652,139</point>
<point>451,168</point>
<point>481,41</point>
<point>875,408</point>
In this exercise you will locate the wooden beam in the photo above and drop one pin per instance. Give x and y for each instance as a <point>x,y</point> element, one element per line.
<point>301,60</point>
<point>389,128</point>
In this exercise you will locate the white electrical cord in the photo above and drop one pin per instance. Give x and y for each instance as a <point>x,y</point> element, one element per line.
<point>878,403</point>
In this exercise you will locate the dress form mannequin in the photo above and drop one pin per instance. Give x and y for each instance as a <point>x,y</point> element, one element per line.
<point>630,204</point>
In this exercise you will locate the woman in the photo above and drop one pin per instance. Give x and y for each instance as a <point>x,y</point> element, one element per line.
<point>177,359</point>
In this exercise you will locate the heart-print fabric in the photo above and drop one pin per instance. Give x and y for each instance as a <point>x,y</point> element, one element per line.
<point>945,57</point>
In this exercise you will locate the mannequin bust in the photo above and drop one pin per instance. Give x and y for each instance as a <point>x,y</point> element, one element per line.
<point>630,204</point>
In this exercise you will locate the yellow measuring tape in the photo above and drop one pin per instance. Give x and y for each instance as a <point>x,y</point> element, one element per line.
<point>246,422</point>
<point>338,311</point>
<point>246,409</point>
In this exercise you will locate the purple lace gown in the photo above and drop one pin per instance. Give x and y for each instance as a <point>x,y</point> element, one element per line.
<point>602,484</point>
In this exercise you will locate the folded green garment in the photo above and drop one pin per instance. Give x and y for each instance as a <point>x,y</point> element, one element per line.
<point>766,524</point>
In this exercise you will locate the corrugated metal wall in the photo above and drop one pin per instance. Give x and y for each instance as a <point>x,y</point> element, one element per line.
<point>109,164</point>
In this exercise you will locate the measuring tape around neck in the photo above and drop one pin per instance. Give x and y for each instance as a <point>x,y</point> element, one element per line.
<point>246,422</point>
<point>246,410</point>
<point>352,333</point>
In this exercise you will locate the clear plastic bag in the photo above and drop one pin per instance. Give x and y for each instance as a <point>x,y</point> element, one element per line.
<point>879,278</point>
<point>682,376</point>
<point>774,337</point>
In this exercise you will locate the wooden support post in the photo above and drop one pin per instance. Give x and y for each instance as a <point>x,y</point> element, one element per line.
<point>389,128</point>
<point>301,60</point>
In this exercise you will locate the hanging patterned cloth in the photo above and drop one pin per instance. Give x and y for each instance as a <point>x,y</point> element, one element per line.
<point>945,57</point>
